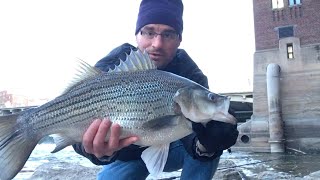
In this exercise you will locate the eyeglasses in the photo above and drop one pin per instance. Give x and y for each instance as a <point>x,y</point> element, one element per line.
<point>167,35</point>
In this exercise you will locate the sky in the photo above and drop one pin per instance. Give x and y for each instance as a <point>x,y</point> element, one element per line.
<point>41,41</point>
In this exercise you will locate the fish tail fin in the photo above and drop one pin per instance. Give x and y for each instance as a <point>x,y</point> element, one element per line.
<point>15,147</point>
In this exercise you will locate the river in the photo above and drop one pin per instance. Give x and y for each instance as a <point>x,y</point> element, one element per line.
<point>250,164</point>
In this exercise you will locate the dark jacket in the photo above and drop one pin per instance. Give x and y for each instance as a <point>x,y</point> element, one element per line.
<point>181,65</point>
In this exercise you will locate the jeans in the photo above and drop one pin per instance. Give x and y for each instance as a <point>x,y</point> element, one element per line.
<point>178,158</point>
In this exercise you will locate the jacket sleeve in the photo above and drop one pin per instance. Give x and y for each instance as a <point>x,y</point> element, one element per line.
<point>109,61</point>
<point>97,161</point>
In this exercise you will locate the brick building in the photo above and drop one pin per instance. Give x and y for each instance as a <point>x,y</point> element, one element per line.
<point>277,19</point>
<point>287,34</point>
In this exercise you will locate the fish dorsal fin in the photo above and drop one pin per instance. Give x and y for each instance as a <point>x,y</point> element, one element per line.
<point>84,71</point>
<point>135,61</point>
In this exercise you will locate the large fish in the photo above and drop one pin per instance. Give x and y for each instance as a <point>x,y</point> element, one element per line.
<point>144,101</point>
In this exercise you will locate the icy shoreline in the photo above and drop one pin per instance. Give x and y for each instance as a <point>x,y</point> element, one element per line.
<point>66,164</point>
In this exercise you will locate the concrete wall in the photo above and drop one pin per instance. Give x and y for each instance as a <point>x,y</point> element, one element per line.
<point>300,95</point>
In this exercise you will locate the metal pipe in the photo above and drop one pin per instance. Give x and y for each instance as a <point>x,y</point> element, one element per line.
<point>274,105</point>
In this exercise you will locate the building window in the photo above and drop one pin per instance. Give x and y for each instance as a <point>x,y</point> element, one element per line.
<point>286,32</point>
<point>277,4</point>
<point>294,2</point>
<point>290,51</point>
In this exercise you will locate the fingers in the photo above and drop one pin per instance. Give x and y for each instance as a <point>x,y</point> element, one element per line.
<point>113,143</point>
<point>94,139</point>
<point>127,141</point>
<point>100,146</point>
<point>89,136</point>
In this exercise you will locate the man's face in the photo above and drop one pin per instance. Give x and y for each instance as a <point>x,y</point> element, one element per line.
<point>161,48</point>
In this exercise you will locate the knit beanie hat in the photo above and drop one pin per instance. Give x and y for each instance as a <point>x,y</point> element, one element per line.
<point>167,12</point>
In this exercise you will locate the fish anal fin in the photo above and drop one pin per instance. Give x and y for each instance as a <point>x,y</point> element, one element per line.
<point>155,158</point>
<point>61,142</point>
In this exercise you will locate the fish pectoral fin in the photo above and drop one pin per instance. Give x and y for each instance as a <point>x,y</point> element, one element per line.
<point>155,158</point>
<point>61,142</point>
<point>162,122</point>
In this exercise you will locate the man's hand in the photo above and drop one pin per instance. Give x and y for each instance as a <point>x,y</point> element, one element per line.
<point>216,136</point>
<point>94,143</point>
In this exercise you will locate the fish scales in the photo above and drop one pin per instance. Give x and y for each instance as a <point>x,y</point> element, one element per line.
<point>130,97</point>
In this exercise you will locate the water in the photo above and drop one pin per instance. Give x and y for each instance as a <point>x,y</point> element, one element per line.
<point>250,164</point>
<point>41,154</point>
<point>277,164</point>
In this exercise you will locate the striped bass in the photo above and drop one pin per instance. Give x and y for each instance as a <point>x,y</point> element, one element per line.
<point>152,104</point>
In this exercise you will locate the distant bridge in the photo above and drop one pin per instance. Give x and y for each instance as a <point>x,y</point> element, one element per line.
<point>242,105</point>
<point>240,96</point>
<point>7,111</point>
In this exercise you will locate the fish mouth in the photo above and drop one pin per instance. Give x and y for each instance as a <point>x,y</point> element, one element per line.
<point>224,117</point>
<point>227,105</point>
<point>224,106</point>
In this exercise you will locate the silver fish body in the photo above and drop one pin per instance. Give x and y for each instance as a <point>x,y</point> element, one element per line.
<point>146,102</point>
<point>132,99</point>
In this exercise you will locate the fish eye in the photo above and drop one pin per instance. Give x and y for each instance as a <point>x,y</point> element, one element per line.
<point>211,96</point>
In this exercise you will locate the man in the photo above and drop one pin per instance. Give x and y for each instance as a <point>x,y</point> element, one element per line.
<point>159,32</point>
